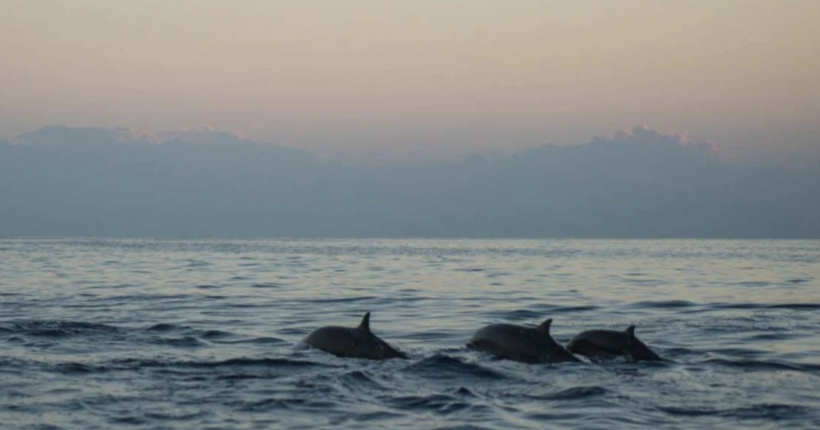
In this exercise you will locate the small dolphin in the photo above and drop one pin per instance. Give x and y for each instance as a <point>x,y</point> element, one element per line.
<point>519,343</point>
<point>609,344</point>
<point>357,342</point>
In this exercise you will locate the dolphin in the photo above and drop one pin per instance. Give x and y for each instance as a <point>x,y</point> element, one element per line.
<point>519,343</point>
<point>357,342</point>
<point>609,344</point>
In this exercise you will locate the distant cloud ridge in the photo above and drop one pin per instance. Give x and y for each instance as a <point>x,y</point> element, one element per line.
<point>643,183</point>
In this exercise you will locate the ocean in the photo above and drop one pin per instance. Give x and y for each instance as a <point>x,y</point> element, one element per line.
<point>205,334</point>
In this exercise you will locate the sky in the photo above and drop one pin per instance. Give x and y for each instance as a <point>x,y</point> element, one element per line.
<point>404,81</point>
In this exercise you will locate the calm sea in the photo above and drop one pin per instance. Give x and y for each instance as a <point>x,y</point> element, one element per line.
<point>204,334</point>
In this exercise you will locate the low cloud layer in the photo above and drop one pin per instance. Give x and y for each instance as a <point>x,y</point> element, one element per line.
<point>62,181</point>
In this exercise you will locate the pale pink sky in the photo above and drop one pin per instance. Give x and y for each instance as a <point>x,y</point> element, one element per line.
<point>386,79</point>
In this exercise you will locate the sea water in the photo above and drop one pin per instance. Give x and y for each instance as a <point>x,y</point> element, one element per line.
<point>205,334</point>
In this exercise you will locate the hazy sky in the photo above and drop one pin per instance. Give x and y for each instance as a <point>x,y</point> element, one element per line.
<point>418,79</point>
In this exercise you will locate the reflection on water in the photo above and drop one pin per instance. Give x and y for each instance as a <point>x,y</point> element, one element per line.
<point>192,334</point>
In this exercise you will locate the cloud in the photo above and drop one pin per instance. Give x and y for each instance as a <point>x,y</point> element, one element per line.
<point>643,135</point>
<point>63,135</point>
<point>202,135</point>
<point>203,182</point>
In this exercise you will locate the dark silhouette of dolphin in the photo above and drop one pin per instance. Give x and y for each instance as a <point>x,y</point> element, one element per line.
<point>357,342</point>
<point>519,343</point>
<point>609,344</point>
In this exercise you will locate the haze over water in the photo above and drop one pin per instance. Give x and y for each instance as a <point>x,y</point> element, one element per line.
<point>102,333</point>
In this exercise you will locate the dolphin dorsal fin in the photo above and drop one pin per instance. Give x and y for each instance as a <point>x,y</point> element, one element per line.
<point>630,335</point>
<point>545,326</point>
<point>365,324</point>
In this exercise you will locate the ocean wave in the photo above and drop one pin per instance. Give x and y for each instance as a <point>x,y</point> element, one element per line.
<point>58,329</point>
<point>231,362</point>
<point>448,367</point>
<point>766,411</point>
<point>574,393</point>
<point>763,365</point>
<point>664,304</point>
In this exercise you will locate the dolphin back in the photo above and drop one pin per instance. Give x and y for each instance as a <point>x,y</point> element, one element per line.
<point>357,342</point>
<point>609,344</point>
<point>519,343</point>
<point>601,344</point>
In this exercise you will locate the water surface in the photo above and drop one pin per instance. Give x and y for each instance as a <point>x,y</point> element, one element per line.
<point>204,334</point>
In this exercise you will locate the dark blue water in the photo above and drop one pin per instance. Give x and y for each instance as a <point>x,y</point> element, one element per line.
<point>100,334</point>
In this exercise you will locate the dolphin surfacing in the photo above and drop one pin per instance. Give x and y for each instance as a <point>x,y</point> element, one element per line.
<point>358,342</point>
<point>519,343</point>
<point>609,344</point>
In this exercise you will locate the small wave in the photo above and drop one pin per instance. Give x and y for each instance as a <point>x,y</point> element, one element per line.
<point>152,297</point>
<point>112,287</point>
<point>778,336</point>
<point>260,340</point>
<point>773,411</point>
<point>57,329</point>
<point>770,411</point>
<point>735,351</point>
<point>754,283</point>
<point>268,285</point>
<point>232,362</point>
<point>578,393</point>
<point>738,306</point>
<point>574,393</point>
<point>569,309</point>
<point>268,404</point>
<point>662,304</point>
<point>438,403</point>
<point>432,335</point>
<point>198,263</point>
<point>181,342</point>
<point>446,367</point>
<point>796,306</point>
<point>358,379</point>
<point>264,362</point>
<point>162,417</point>
<point>463,427</point>
<point>240,377</point>
<point>164,328</point>
<point>760,365</point>
<point>358,376</point>
<point>129,420</point>
<point>518,315</point>
<point>215,334</point>
<point>752,306</point>
<point>342,299</point>
<point>79,368</point>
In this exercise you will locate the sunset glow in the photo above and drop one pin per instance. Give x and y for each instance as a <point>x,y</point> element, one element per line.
<point>380,76</point>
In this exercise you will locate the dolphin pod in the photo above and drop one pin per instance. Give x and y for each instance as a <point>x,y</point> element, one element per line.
<point>507,341</point>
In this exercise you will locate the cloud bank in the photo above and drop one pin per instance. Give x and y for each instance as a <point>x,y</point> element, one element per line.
<point>63,181</point>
